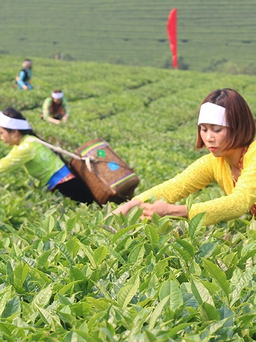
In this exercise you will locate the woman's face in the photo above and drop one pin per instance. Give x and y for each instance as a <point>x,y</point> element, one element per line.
<point>58,101</point>
<point>214,138</point>
<point>9,138</point>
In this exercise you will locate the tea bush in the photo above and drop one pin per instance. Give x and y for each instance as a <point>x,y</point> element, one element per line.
<point>66,274</point>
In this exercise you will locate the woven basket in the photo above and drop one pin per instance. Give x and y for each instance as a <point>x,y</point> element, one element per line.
<point>108,177</point>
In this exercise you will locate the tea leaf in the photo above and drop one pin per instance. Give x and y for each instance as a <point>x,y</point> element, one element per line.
<point>126,294</point>
<point>196,223</point>
<point>217,274</point>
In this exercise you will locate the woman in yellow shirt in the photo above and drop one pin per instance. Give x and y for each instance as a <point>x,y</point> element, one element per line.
<point>226,127</point>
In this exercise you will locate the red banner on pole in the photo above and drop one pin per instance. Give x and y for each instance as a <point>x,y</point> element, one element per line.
<point>172,35</point>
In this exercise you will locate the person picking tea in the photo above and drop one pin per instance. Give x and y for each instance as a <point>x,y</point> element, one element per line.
<point>55,108</point>
<point>226,127</point>
<point>39,160</point>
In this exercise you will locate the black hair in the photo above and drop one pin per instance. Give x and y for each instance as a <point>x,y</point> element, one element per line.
<point>13,113</point>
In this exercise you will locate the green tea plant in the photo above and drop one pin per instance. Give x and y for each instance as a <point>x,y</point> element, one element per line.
<point>67,274</point>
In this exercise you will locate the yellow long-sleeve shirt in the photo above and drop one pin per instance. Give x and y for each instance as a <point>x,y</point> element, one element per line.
<point>203,172</point>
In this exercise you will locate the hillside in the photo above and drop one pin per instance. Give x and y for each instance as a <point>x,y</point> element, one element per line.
<point>220,34</point>
<point>149,111</point>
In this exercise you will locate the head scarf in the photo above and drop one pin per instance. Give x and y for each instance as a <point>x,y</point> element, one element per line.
<point>57,96</point>
<point>11,123</point>
<point>210,113</point>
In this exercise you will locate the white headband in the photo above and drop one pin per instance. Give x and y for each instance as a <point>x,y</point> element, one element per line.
<point>57,96</point>
<point>11,123</point>
<point>210,113</point>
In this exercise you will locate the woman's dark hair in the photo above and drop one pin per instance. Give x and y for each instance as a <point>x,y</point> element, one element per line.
<point>13,113</point>
<point>56,108</point>
<point>240,121</point>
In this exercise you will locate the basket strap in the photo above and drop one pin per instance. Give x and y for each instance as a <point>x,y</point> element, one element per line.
<point>60,150</point>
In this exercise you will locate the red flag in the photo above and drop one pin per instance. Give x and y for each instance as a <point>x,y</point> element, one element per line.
<point>172,35</point>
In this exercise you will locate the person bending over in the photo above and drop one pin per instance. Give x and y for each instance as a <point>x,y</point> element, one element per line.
<point>226,127</point>
<point>40,161</point>
<point>55,108</point>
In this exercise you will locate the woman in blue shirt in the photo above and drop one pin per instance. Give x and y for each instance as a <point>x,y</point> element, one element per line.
<point>24,77</point>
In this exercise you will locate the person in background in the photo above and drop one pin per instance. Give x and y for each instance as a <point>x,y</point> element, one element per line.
<point>55,108</point>
<point>24,78</point>
<point>226,127</point>
<point>40,161</point>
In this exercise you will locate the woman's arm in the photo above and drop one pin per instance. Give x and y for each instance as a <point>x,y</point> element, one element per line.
<point>125,208</point>
<point>46,108</point>
<point>18,156</point>
<point>21,79</point>
<point>195,177</point>
<point>158,207</point>
<point>65,118</point>
<point>163,209</point>
<point>52,120</point>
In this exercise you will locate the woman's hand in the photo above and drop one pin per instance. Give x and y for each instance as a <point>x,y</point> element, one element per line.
<point>52,120</point>
<point>163,209</point>
<point>65,118</point>
<point>125,208</point>
<point>158,207</point>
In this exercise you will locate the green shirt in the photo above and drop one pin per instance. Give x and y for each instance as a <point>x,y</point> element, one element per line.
<point>39,160</point>
<point>46,107</point>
